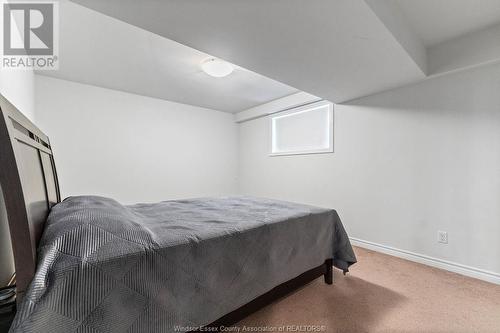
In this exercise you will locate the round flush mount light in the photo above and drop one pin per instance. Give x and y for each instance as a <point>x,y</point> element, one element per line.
<point>216,67</point>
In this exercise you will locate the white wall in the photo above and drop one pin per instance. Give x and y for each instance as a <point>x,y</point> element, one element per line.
<point>134,148</point>
<point>407,163</point>
<point>18,86</point>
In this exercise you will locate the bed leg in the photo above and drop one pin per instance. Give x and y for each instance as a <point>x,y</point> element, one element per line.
<point>329,271</point>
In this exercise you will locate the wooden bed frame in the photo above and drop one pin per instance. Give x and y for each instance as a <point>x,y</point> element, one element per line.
<point>30,187</point>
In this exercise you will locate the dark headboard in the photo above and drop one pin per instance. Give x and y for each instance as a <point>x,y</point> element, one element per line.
<point>29,184</point>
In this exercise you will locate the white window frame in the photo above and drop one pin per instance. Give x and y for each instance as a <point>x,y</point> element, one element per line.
<point>302,109</point>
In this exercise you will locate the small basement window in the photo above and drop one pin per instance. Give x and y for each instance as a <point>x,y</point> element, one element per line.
<point>303,130</point>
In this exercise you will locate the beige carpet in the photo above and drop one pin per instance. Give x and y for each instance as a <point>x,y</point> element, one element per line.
<point>387,294</point>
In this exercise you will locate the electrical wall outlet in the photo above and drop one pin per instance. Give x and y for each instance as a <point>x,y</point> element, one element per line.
<point>442,237</point>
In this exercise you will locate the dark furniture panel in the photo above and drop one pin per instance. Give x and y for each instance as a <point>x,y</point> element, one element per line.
<point>29,184</point>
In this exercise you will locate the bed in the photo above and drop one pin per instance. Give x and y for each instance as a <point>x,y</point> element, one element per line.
<point>90,264</point>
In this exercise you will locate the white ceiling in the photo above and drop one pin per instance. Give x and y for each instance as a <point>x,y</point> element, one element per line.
<point>100,50</point>
<point>436,21</point>
<point>338,50</point>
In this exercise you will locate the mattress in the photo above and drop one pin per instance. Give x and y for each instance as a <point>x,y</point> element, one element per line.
<point>170,266</point>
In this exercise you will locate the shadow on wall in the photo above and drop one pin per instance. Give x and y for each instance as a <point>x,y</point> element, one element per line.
<point>350,305</point>
<point>433,148</point>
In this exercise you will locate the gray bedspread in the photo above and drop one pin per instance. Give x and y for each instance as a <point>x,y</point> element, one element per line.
<point>104,267</point>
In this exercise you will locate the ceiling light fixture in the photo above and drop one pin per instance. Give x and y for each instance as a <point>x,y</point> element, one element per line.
<point>216,67</point>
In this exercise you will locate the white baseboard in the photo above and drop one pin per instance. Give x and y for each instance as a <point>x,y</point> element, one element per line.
<point>430,261</point>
